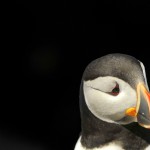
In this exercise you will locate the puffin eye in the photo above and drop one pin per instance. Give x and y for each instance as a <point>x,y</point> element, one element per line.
<point>115,90</point>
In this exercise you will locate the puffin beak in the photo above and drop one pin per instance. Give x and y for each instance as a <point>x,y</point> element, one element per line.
<point>142,109</point>
<point>143,106</point>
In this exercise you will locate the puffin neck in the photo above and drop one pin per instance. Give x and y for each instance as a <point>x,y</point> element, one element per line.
<point>94,130</point>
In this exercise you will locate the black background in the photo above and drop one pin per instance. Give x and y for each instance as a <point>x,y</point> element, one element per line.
<point>53,41</point>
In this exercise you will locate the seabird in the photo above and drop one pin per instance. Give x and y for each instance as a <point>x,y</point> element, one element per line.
<point>113,93</point>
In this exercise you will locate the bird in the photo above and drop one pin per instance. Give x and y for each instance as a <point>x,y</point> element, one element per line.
<point>114,93</point>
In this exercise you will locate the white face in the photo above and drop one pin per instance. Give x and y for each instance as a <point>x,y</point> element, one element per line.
<point>105,103</point>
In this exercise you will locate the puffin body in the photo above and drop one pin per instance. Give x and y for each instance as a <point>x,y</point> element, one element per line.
<point>114,94</point>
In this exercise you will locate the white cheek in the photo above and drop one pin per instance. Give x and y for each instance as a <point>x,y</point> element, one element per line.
<point>102,104</point>
<point>105,84</point>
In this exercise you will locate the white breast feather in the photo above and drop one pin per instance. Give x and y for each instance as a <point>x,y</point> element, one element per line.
<point>110,146</point>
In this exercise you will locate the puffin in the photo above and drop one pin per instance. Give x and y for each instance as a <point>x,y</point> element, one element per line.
<point>114,93</point>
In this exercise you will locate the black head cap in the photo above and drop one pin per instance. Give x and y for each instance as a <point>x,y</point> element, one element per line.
<point>122,66</point>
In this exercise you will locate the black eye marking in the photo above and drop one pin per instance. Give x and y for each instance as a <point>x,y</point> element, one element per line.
<point>115,90</point>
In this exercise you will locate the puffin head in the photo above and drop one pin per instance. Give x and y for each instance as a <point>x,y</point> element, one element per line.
<point>115,90</point>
